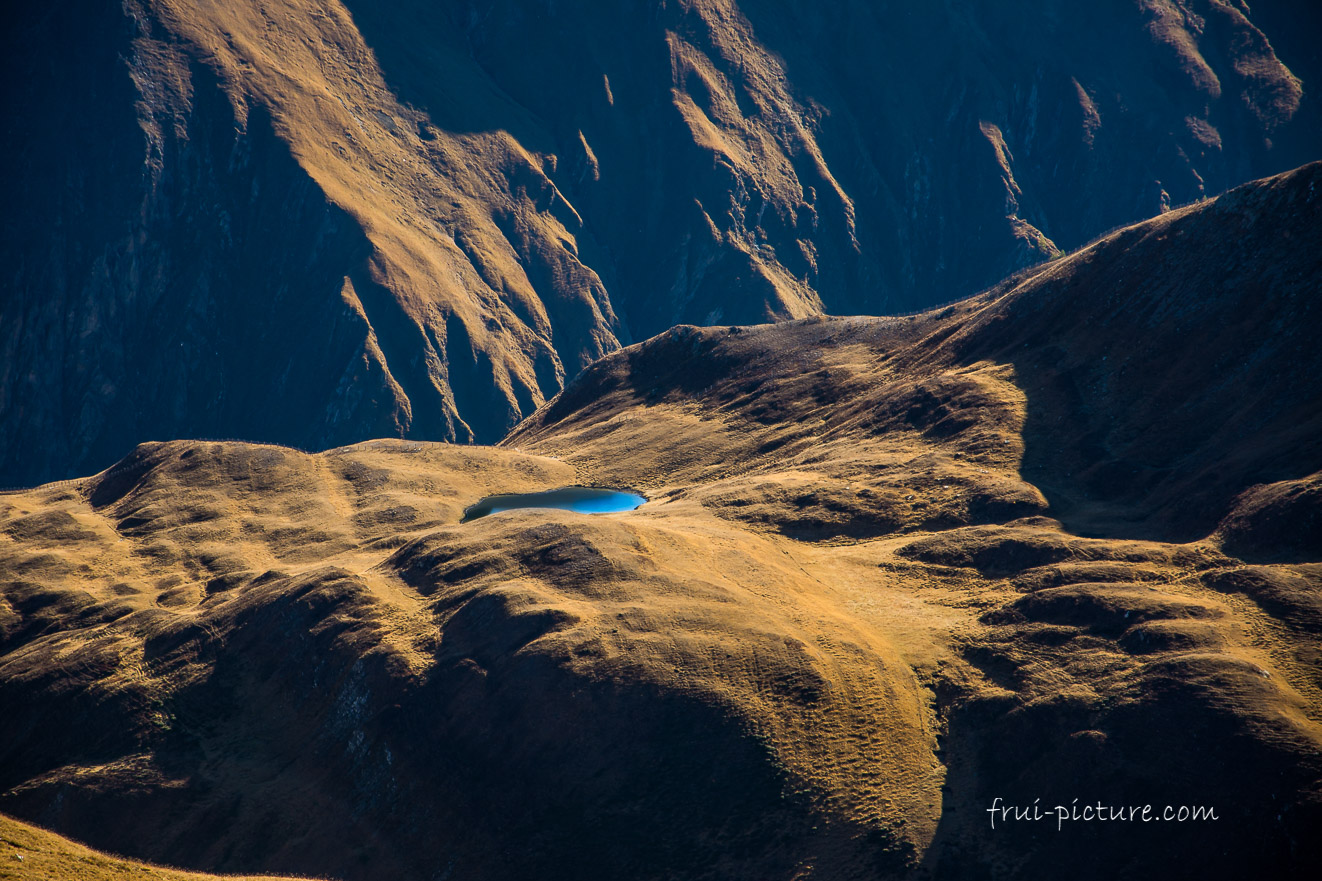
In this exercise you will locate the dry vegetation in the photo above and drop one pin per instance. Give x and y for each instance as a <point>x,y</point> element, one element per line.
<point>890,569</point>
<point>319,222</point>
<point>28,853</point>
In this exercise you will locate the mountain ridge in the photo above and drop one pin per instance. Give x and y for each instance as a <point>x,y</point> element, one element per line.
<point>314,226</point>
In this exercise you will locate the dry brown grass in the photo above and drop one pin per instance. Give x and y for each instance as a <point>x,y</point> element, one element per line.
<point>30,853</point>
<point>890,569</point>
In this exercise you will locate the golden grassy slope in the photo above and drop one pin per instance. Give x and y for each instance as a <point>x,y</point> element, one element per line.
<point>858,607</point>
<point>469,232</point>
<point>505,303</point>
<point>209,535</point>
<point>458,187</point>
<point>423,216</point>
<point>939,474</point>
<point>29,853</point>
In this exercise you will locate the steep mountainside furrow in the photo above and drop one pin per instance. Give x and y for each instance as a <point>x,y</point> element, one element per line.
<point>1172,365</point>
<point>319,222</point>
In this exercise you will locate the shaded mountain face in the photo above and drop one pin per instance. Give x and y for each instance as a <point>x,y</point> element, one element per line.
<point>1059,541</point>
<point>35,854</point>
<point>320,223</point>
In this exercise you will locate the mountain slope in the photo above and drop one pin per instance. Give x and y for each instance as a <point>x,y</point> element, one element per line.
<point>317,223</point>
<point>33,854</point>
<point>876,587</point>
<point>1149,378</point>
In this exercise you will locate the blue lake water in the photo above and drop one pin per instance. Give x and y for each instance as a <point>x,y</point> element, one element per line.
<point>583,499</point>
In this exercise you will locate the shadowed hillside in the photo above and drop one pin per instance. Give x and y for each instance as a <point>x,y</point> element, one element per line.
<point>31,854</point>
<point>315,223</point>
<point>889,571</point>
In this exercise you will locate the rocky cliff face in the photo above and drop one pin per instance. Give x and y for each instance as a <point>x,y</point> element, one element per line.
<point>318,223</point>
